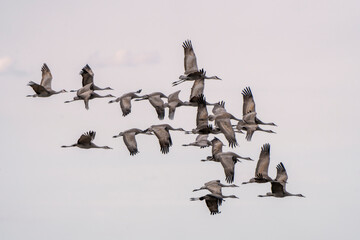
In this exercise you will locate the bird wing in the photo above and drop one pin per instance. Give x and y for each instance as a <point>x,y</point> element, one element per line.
<point>174,96</point>
<point>249,118</point>
<point>216,146</point>
<point>249,104</point>
<point>213,203</point>
<point>197,89</point>
<point>250,129</point>
<point>164,138</point>
<point>278,188</point>
<point>158,104</point>
<point>226,128</point>
<point>264,161</point>
<point>130,142</point>
<point>281,175</point>
<point>219,108</point>
<point>125,104</point>
<point>190,64</point>
<point>229,166</point>
<point>87,75</point>
<point>214,188</point>
<point>37,88</point>
<point>202,137</point>
<point>46,77</point>
<point>86,138</point>
<point>202,113</point>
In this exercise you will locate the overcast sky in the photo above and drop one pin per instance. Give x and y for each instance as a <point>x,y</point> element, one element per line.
<point>300,58</point>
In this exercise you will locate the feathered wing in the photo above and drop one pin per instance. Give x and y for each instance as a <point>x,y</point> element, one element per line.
<point>227,130</point>
<point>263,162</point>
<point>229,167</point>
<point>202,113</point>
<point>87,75</point>
<point>281,175</point>
<point>86,138</point>
<point>249,104</point>
<point>37,88</point>
<point>46,77</point>
<point>125,105</point>
<point>130,142</point>
<point>164,138</point>
<point>190,63</point>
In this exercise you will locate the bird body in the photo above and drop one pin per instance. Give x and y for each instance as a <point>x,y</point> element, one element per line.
<point>213,201</point>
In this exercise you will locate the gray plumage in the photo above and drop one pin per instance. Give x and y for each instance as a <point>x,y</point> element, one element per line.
<point>125,101</point>
<point>44,88</point>
<point>278,186</point>
<point>156,101</point>
<point>129,139</point>
<point>261,171</point>
<point>85,141</point>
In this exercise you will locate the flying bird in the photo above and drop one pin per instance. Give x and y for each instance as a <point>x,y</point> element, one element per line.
<point>125,101</point>
<point>88,77</point>
<point>86,93</point>
<point>261,171</point>
<point>228,161</point>
<point>200,141</point>
<point>213,201</point>
<point>214,187</point>
<point>278,186</point>
<point>156,101</point>
<point>85,141</point>
<point>162,132</point>
<point>249,108</point>
<point>129,139</point>
<point>44,88</point>
<point>174,102</point>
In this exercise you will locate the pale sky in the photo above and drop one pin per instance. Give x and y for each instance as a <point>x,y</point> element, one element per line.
<point>300,58</point>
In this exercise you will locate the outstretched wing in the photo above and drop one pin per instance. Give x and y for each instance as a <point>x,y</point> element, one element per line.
<point>86,138</point>
<point>264,161</point>
<point>87,75</point>
<point>281,175</point>
<point>249,104</point>
<point>46,77</point>
<point>190,58</point>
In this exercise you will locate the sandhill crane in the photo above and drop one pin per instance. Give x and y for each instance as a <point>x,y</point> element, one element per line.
<point>278,186</point>
<point>200,141</point>
<point>228,161</point>
<point>85,141</point>
<point>88,77</point>
<point>156,101</point>
<point>44,88</point>
<point>199,83</point>
<point>222,121</point>
<point>213,201</point>
<point>261,171</point>
<point>174,102</point>
<point>129,139</point>
<point>214,187</point>
<point>86,93</point>
<point>249,107</point>
<point>125,101</point>
<point>161,131</point>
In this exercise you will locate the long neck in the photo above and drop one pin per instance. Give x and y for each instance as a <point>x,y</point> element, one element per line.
<point>74,145</point>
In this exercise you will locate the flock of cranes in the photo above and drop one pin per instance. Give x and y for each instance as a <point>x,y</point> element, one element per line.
<point>221,118</point>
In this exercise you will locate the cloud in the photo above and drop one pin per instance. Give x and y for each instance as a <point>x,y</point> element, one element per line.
<point>5,63</point>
